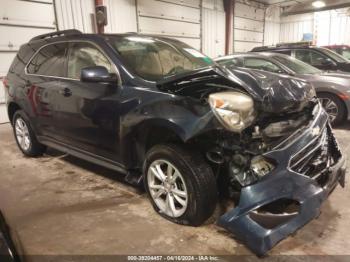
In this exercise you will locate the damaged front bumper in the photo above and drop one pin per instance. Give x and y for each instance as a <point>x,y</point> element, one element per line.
<point>291,189</point>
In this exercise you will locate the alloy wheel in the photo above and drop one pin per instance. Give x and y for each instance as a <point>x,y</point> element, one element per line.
<point>167,188</point>
<point>331,108</point>
<point>22,134</point>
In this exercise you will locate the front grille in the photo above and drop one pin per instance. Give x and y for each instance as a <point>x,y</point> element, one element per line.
<point>316,158</point>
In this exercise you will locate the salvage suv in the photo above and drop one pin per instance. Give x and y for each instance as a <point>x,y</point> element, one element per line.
<point>165,115</point>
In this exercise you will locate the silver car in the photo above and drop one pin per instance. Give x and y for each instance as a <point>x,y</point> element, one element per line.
<point>333,88</point>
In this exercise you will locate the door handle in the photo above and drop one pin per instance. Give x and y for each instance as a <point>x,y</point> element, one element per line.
<point>65,92</point>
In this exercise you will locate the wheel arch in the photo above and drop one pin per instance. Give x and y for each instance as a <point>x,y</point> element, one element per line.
<point>148,134</point>
<point>11,110</point>
<point>327,91</point>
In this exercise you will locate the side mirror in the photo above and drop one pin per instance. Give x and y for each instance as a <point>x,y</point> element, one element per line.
<point>97,74</point>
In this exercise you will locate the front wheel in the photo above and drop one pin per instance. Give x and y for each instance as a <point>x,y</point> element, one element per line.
<point>333,106</point>
<point>180,184</point>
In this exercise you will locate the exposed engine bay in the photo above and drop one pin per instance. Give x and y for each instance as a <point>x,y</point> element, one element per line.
<point>243,161</point>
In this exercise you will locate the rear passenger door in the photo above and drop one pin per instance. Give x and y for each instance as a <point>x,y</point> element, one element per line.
<point>88,113</point>
<point>44,73</point>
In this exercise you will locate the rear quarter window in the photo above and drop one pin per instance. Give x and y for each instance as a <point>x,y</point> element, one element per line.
<point>49,61</point>
<point>21,59</point>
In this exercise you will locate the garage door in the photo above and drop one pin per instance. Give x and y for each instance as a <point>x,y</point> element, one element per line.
<point>19,21</point>
<point>248,23</point>
<point>176,19</point>
<point>213,28</point>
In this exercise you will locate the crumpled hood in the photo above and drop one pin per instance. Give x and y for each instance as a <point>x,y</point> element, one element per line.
<point>278,93</point>
<point>272,92</point>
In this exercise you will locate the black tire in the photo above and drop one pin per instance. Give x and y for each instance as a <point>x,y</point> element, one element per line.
<point>35,148</point>
<point>198,177</point>
<point>340,105</point>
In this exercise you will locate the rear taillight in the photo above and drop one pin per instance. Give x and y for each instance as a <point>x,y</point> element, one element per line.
<point>344,97</point>
<point>5,82</point>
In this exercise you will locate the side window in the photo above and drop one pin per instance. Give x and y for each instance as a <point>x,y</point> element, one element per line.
<point>311,57</point>
<point>261,64</point>
<point>232,62</point>
<point>83,55</point>
<point>285,52</point>
<point>303,55</point>
<point>318,59</point>
<point>49,61</point>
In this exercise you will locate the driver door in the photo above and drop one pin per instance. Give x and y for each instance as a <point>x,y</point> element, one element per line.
<point>88,113</point>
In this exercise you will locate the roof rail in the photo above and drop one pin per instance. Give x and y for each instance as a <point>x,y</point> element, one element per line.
<point>262,48</point>
<point>295,44</point>
<point>283,45</point>
<point>56,34</point>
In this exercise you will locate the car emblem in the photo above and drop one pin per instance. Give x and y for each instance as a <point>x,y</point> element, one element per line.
<point>316,131</point>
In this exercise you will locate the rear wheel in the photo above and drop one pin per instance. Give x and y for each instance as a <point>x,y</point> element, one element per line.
<point>180,184</point>
<point>333,106</point>
<point>25,136</point>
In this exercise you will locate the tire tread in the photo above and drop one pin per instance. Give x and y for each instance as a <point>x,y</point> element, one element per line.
<point>203,178</point>
<point>36,149</point>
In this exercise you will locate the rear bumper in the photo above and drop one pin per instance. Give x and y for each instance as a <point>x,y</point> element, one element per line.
<point>260,231</point>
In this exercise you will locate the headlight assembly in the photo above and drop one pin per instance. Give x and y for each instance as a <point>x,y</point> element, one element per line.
<point>261,166</point>
<point>234,110</point>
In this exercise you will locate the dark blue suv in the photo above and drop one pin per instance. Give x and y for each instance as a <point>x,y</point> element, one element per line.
<point>160,112</point>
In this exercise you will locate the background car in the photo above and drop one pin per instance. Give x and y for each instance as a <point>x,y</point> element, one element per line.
<point>8,251</point>
<point>333,89</point>
<point>343,50</point>
<point>319,57</point>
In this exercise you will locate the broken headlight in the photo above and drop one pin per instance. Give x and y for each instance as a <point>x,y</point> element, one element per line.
<point>261,166</point>
<point>234,110</point>
<point>246,175</point>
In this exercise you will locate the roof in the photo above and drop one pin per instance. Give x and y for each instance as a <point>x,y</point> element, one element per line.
<point>294,45</point>
<point>260,54</point>
<point>73,33</point>
<point>336,46</point>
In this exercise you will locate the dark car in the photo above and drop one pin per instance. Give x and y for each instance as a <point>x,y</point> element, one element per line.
<point>319,57</point>
<point>333,89</point>
<point>164,114</point>
<point>8,251</point>
<point>343,50</point>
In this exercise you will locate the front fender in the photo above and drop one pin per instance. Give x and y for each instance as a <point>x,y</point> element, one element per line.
<point>145,109</point>
<point>186,116</point>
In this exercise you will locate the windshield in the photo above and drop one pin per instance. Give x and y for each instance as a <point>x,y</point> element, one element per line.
<point>334,55</point>
<point>296,65</point>
<point>154,59</point>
